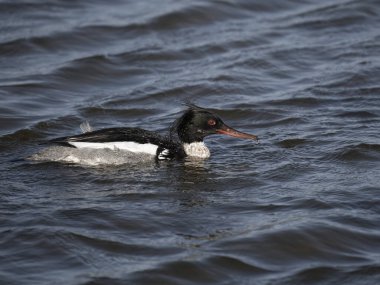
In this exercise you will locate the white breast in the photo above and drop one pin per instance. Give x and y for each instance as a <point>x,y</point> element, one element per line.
<point>196,149</point>
<point>128,146</point>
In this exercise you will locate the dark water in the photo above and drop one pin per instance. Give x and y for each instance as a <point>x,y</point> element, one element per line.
<point>301,207</point>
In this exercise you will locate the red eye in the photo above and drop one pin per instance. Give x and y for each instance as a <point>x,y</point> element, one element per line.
<point>211,122</point>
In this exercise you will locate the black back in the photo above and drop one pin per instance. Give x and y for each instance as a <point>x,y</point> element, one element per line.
<point>114,135</point>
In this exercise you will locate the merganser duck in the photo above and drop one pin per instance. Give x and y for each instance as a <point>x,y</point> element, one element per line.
<point>185,138</point>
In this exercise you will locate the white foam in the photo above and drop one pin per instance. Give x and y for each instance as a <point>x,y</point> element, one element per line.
<point>85,127</point>
<point>163,154</point>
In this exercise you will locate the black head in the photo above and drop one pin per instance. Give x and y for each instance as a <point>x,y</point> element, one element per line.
<point>197,123</point>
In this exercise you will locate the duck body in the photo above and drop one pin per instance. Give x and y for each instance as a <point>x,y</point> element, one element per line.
<point>185,138</point>
<point>135,140</point>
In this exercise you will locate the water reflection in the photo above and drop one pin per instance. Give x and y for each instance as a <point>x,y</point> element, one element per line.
<point>191,178</point>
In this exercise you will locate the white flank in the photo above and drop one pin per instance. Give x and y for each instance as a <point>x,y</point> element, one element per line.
<point>91,157</point>
<point>196,149</point>
<point>128,146</point>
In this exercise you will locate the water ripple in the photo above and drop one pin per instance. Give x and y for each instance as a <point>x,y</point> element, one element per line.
<point>299,207</point>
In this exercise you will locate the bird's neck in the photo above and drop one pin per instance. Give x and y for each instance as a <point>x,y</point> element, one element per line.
<point>196,149</point>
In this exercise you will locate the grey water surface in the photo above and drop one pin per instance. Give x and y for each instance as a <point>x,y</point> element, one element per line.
<point>300,207</point>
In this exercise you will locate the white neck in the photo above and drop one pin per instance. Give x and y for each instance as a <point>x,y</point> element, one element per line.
<point>196,149</point>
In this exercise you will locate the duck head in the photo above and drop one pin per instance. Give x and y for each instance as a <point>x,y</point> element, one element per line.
<point>197,123</point>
